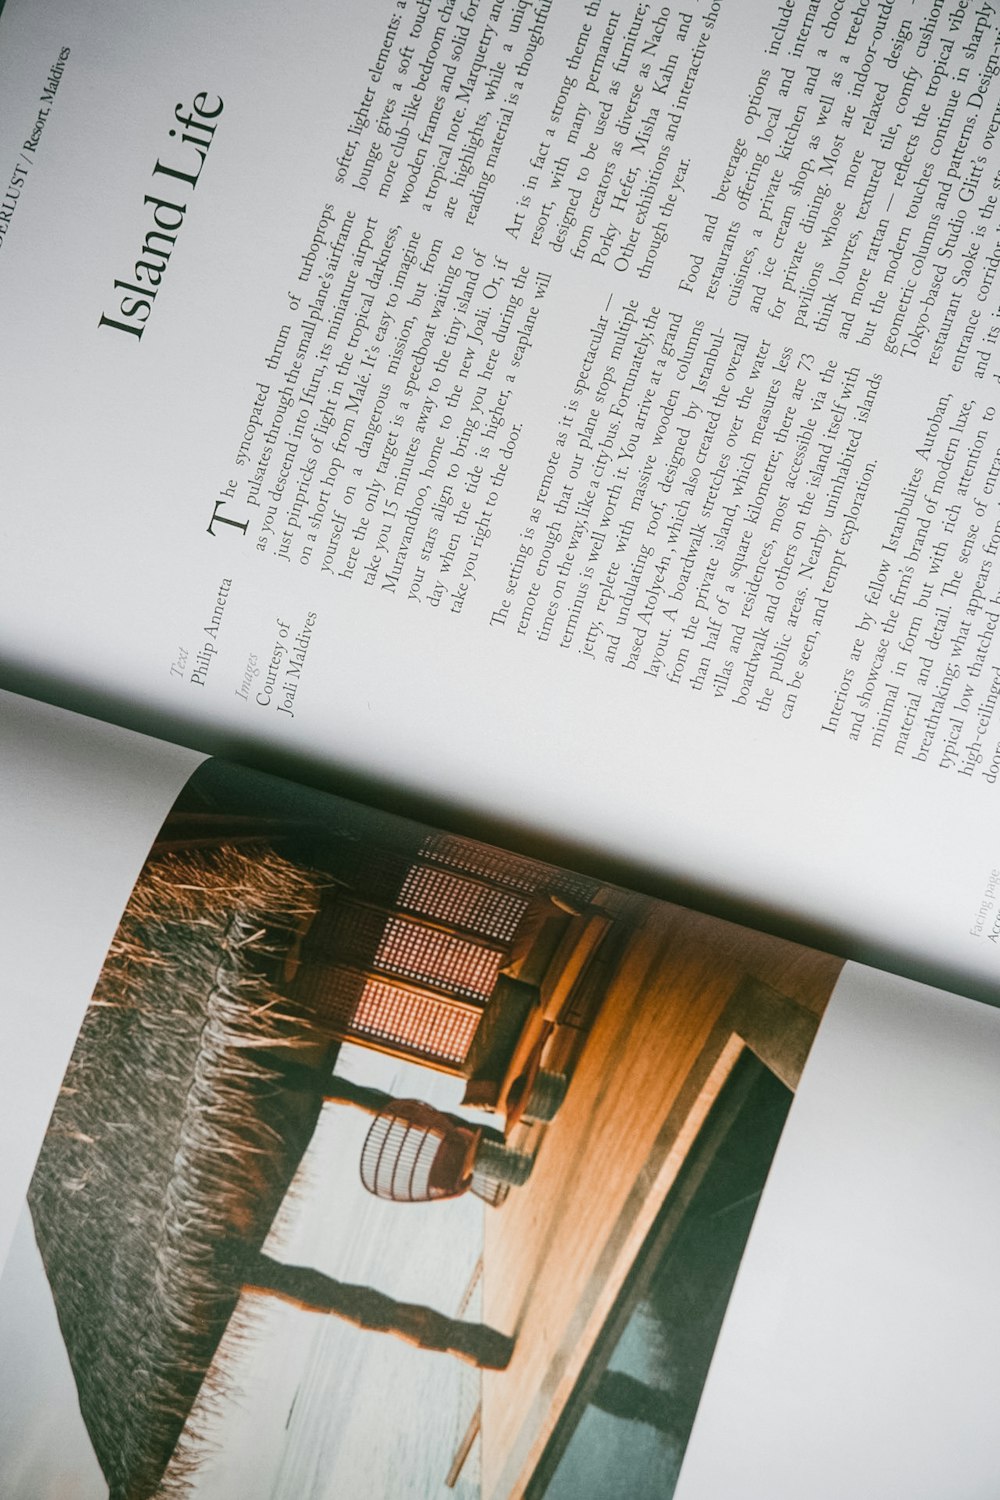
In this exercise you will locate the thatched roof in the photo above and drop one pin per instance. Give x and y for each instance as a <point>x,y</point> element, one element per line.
<point>189,1101</point>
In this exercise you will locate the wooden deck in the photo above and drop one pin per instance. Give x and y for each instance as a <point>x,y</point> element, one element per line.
<point>661,1045</point>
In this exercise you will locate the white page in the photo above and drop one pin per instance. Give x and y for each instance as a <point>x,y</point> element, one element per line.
<point>829,571</point>
<point>859,1351</point>
<point>80,804</point>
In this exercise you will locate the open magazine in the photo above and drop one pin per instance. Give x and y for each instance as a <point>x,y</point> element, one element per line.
<point>348,1156</point>
<point>581,413</point>
<point>581,418</point>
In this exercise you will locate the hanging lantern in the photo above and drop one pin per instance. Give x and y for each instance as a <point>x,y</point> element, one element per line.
<point>414,1153</point>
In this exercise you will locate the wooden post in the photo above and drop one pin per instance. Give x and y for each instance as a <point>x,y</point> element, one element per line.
<point>366,1308</point>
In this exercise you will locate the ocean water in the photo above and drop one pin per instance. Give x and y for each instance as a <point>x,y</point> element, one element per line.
<point>320,1409</point>
<point>372,1415</point>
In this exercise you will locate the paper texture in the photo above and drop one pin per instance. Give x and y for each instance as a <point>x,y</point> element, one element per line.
<point>587,414</point>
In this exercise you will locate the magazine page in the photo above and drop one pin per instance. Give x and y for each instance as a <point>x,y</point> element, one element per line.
<point>389,1163</point>
<point>585,413</point>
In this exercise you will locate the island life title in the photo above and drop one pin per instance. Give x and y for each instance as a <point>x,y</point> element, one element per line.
<point>184,165</point>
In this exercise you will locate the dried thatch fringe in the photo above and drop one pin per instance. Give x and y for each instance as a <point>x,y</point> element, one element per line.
<point>172,1144</point>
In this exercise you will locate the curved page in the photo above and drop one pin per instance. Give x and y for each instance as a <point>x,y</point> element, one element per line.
<point>584,413</point>
<point>385,1162</point>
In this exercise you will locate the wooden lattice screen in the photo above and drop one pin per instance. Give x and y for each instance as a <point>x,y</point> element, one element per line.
<point>407,960</point>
